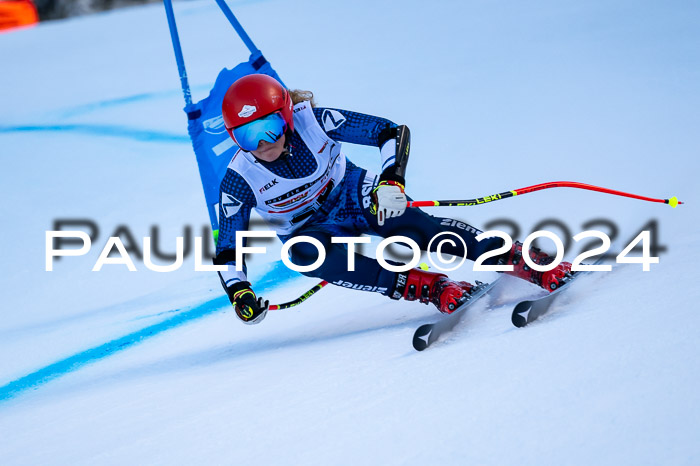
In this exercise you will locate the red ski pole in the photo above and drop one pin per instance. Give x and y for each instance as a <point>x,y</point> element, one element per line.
<point>673,202</point>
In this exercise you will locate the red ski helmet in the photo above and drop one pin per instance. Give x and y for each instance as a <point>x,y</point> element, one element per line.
<point>252,97</point>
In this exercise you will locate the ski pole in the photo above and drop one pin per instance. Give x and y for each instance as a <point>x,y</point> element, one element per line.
<point>673,202</point>
<point>300,299</point>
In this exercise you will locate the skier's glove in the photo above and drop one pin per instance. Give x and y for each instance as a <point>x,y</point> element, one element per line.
<point>249,308</point>
<point>388,200</point>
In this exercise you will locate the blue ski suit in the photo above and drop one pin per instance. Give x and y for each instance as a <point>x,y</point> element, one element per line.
<point>341,207</point>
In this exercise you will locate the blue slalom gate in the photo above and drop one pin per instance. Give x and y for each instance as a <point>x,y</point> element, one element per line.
<point>212,145</point>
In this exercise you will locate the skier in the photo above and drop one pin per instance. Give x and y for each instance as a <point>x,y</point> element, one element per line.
<point>291,169</point>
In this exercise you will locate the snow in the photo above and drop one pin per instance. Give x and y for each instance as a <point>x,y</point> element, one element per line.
<point>498,96</point>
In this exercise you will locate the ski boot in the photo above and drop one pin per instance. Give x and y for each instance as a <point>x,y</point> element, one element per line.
<point>430,287</point>
<point>550,280</point>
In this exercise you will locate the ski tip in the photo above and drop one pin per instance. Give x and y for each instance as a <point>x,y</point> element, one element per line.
<point>421,339</point>
<point>520,314</point>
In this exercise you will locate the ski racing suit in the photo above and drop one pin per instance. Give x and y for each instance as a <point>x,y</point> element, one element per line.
<point>314,190</point>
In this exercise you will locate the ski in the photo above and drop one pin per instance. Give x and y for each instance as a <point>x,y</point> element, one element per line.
<point>526,312</point>
<point>426,334</point>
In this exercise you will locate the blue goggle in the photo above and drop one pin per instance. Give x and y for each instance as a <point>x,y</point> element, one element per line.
<point>269,128</point>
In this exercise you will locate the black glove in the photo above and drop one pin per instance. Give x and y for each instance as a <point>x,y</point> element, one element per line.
<point>249,308</point>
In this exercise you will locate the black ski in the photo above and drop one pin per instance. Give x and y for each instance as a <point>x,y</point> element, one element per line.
<point>526,312</point>
<point>426,334</point>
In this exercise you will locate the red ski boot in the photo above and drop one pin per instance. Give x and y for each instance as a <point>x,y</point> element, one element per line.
<point>550,280</point>
<point>429,287</point>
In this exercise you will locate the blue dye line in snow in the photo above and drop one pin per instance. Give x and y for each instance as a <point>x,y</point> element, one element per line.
<point>132,99</point>
<point>72,363</point>
<point>106,104</point>
<point>103,130</point>
<point>277,275</point>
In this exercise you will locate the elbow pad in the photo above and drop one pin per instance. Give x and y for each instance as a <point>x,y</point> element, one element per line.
<point>402,135</point>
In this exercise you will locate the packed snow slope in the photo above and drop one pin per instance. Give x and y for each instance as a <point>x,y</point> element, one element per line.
<point>116,367</point>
